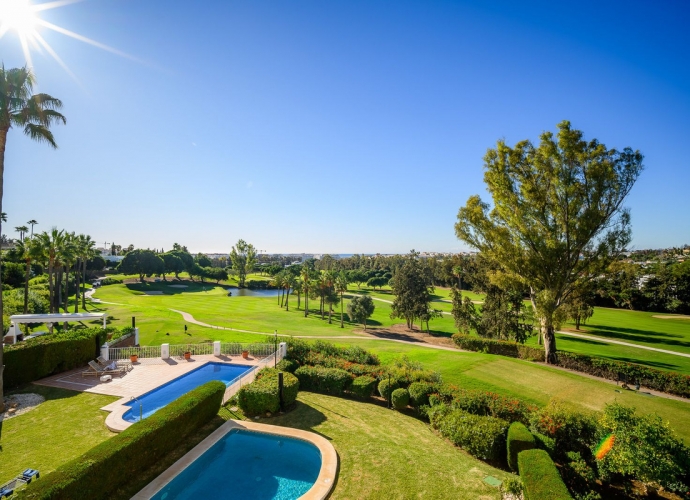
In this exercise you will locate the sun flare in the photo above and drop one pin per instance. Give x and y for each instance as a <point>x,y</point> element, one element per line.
<point>19,16</point>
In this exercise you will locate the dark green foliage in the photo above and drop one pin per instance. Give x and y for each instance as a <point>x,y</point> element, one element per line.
<point>262,395</point>
<point>400,398</point>
<point>49,354</point>
<point>545,443</point>
<point>412,287</point>
<point>483,437</point>
<point>111,464</point>
<point>540,478</point>
<point>419,393</point>
<point>360,308</point>
<point>363,387</point>
<point>519,439</point>
<point>141,262</point>
<point>660,380</point>
<point>386,387</point>
<point>579,476</point>
<point>571,430</point>
<point>111,281</point>
<point>299,350</point>
<point>406,372</point>
<point>502,347</point>
<point>326,380</point>
<point>644,448</point>
<point>287,365</point>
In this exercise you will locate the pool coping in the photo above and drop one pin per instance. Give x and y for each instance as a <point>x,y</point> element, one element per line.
<point>319,491</point>
<point>115,421</point>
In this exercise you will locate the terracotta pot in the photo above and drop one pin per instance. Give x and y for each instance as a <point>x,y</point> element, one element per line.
<point>245,354</point>
<point>133,358</point>
<point>187,355</point>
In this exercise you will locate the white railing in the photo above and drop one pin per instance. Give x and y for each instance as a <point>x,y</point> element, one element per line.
<point>143,352</point>
<point>178,350</point>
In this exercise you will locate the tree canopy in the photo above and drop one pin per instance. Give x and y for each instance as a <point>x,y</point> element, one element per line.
<point>243,257</point>
<point>557,219</point>
<point>141,262</point>
<point>412,289</point>
<point>360,308</point>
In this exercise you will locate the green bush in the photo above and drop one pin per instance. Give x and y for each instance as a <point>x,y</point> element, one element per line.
<point>111,464</point>
<point>512,486</point>
<point>300,350</point>
<point>386,388</point>
<point>363,387</point>
<point>501,347</point>
<point>287,365</point>
<point>326,380</point>
<point>111,281</point>
<point>571,430</point>
<point>644,448</point>
<point>400,398</point>
<point>540,478</point>
<point>42,356</point>
<point>483,437</point>
<point>519,439</point>
<point>419,393</point>
<point>262,395</point>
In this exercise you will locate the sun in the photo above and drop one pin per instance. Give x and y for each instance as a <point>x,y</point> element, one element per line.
<point>18,15</point>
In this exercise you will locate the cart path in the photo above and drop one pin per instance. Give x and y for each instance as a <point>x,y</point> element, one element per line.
<point>620,342</point>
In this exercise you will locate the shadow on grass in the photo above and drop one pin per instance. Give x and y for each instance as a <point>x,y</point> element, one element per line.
<point>584,341</point>
<point>635,335</point>
<point>654,364</point>
<point>166,288</point>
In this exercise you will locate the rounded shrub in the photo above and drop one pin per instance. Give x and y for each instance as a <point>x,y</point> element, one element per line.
<point>400,398</point>
<point>326,380</point>
<point>519,439</point>
<point>287,365</point>
<point>386,388</point>
<point>262,395</point>
<point>363,387</point>
<point>419,393</point>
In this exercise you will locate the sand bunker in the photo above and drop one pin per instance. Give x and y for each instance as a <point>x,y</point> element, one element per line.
<point>671,316</point>
<point>154,292</point>
<point>178,286</point>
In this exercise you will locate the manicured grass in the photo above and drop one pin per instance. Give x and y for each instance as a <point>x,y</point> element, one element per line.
<point>62,428</point>
<point>386,454</point>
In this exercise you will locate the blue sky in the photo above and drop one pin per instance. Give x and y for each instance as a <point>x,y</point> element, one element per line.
<point>338,127</point>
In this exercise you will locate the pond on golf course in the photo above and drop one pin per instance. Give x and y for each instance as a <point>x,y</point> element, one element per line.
<point>246,292</point>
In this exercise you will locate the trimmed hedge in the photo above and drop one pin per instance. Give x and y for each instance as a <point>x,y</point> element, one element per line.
<point>287,365</point>
<point>419,393</point>
<point>400,399</point>
<point>519,439</point>
<point>501,347</point>
<point>262,395</point>
<point>660,380</point>
<point>483,437</point>
<point>326,380</point>
<point>49,354</point>
<point>540,478</point>
<point>386,388</point>
<point>111,464</point>
<point>363,387</point>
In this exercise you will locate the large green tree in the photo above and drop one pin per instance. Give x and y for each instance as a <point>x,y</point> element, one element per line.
<point>243,257</point>
<point>412,289</point>
<point>35,114</point>
<point>557,218</point>
<point>360,308</point>
<point>141,262</point>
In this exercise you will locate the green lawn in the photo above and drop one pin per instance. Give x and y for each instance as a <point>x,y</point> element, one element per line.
<point>385,454</point>
<point>65,426</point>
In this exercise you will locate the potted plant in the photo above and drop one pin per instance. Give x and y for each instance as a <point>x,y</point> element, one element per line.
<point>187,355</point>
<point>133,358</point>
<point>245,354</point>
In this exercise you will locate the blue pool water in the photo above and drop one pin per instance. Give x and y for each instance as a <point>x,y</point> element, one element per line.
<point>248,465</point>
<point>159,397</point>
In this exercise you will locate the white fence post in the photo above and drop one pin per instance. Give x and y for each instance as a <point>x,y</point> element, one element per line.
<point>136,336</point>
<point>216,348</point>
<point>165,351</point>
<point>283,349</point>
<point>104,351</point>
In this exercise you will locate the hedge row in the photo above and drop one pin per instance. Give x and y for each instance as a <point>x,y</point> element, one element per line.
<point>483,437</point>
<point>540,478</point>
<point>262,395</point>
<point>42,356</point>
<point>660,380</point>
<point>519,439</point>
<point>363,387</point>
<point>326,380</point>
<point>482,403</point>
<point>113,463</point>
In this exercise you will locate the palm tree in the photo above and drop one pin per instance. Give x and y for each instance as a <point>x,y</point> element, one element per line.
<point>306,281</point>
<point>29,251</point>
<point>288,283</point>
<point>50,244</point>
<point>341,283</point>
<point>86,251</point>
<point>35,114</point>
<point>68,258</point>
<point>32,223</point>
<point>21,230</point>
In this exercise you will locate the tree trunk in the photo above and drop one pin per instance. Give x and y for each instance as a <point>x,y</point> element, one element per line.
<point>58,283</point>
<point>341,311</point>
<point>330,313</point>
<point>299,298</point>
<point>66,289</point>
<point>577,322</point>
<point>76,283</point>
<point>365,323</point>
<point>26,286</point>
<point>51,291</point>
<point>306,302</point>
<point>3,139</point>
<point>287,300</point>
<point>550,345</point>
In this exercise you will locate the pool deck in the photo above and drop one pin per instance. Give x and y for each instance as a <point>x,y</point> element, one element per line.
<point>320,490</point>
<point>143,377</point>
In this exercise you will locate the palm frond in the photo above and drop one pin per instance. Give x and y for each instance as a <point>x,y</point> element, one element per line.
<point>40,133</point>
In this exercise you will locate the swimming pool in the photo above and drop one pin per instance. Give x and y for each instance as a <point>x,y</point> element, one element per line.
<point>149,403</point>
<point>240,462</point>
